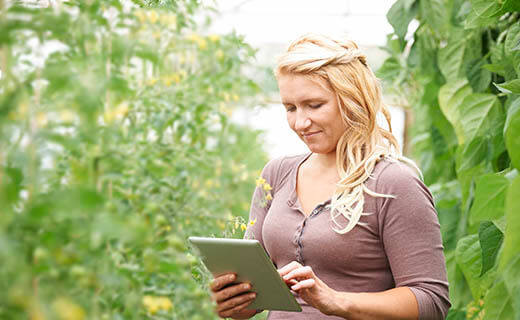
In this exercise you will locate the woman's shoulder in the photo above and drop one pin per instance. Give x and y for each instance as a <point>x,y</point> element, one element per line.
<point>279,168</point>
<point>393,172</point>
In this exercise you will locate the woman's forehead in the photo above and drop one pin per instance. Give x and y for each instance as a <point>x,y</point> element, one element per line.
<point>301,87</point>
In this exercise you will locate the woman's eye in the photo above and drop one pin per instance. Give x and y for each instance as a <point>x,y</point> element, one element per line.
<point>316,106</point>
<point>290,109</point>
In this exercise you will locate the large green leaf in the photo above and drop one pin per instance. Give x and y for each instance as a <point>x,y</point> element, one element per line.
<point>490,238</point>
<point>400,15</point>
<point>497,303</point>
<point>451,56</point>
<point>513,39</point>
<point>489,200</point>
<point>434,13</point>
<point>451,96</point>
<point>512,234</point>
<point>469,259</point>
<point>512,132</point>
<point>474,109</point>
<point>478,77</point>
<point>486,8</point>
<point>512,86</point>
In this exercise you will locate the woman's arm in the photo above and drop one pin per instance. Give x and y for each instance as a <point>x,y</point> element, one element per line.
<point>398,303</point>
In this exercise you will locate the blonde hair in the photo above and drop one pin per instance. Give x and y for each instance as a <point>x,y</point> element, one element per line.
<point>339,63</point>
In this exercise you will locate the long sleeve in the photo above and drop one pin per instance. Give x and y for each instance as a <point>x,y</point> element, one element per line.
<point>411,235</point>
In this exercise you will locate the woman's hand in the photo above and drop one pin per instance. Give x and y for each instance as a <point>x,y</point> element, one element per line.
<point>310,288</point>
<point>232,299</point>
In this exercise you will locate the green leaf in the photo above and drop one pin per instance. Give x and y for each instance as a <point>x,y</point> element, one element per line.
<point>390,69</point>
<point>497,303</point>
<point>400,15</point>
<point>451,96</point>
<point>485,8</point>
<point>469,259</point>
<point>511,5</point>
<point>473,153</point>
<point>490,238</point>
<point>475,107</point>
<point>512,133</point>
<point>479,77</point>
<point>451,56</point>
<point>512,234</point>
<point>455,314</point>
<point>513,39</point>
<point>512,86</point>
<point>473,20</point>
<point>434,13</point>
<point>489,200</point>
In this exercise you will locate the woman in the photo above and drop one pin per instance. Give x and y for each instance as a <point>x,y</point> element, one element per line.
<point>350,226</point>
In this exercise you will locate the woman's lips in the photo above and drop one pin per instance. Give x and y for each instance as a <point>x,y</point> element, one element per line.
<point>310,134</point>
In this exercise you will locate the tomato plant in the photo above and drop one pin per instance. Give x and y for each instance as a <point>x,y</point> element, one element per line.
<point>115,146</point>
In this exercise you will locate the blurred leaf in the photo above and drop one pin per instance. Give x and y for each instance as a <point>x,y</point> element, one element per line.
<point>400,15</point>
<point>490,195</point>
<point>512,86</point>
<point>511,236</point>
<point>475,108</point>
<point>451,97</point>
<point>512,133</point>
<point>491,239</point>
<point>497,303</point>
<point>469,259</point>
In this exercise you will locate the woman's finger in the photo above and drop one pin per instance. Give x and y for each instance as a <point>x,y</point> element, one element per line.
<point>236,301</point>
<point>304,284</point>
<point>289,267</point>
<point>229,292</point>
<point>303,272</point>
<point>221,281</point>
<point>230,312</point>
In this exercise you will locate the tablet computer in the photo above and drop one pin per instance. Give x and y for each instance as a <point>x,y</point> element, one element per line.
<point>249,261</point>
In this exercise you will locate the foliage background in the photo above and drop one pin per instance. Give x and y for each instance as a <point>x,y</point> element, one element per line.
<point>115,146</point>
<point>459,74</point>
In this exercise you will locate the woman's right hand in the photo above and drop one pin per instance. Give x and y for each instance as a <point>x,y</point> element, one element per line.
<point>232,299</point>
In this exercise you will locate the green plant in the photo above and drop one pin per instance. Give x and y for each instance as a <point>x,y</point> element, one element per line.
<point>115,145</point>
<point>459,73</point>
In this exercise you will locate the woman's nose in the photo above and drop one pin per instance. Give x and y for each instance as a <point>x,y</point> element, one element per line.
<point>303,121</point>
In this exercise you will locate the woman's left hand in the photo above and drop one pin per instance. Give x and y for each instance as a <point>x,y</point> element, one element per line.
<point>309,287</point>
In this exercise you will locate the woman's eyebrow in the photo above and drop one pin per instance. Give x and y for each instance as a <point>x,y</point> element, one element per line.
<point>305,100</point>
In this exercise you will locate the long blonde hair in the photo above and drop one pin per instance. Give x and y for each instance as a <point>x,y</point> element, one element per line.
<point>344,68</point>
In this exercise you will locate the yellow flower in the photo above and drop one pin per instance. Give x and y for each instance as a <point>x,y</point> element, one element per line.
<point>267,187</point>
<point>235,97</point>
<point>153,17</point>
<point>268,197</point>
<point>214,37</point>
<point>226,96</point>
<point>202,44</point>
<point>260,181</point>
<point>41,119</point>
<point>164,303</point>
<point>219,54</point>
<point>252,222</point>
<point>236,224</point>
<point>243,227</point>
<point>68,310</point>
<point>151,82</point>
<point>140,15</point>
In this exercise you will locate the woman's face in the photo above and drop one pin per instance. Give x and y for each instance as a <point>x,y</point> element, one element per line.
<point>312,112</point>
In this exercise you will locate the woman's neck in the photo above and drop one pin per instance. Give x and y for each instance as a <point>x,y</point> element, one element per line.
<point>324,161</point>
